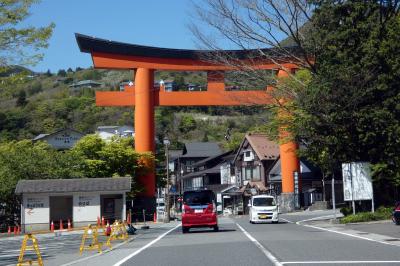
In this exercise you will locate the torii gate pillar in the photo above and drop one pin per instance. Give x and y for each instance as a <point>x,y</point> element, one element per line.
<point>144,122</point>
<point>289,165</point>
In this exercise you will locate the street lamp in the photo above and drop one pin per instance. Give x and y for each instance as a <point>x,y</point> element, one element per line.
<point>166,144</point>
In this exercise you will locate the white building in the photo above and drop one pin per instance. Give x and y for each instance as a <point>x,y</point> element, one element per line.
<point>107,132</point>
<point>61,140</point>
<point>81,201</point>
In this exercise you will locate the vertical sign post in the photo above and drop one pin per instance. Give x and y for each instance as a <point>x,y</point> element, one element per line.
<point>333,196</point>
<point>296,190</point>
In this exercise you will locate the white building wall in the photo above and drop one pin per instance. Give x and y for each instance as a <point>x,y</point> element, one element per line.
<point>86,207</point>
<point>65,139</point>
<point>36,209</point>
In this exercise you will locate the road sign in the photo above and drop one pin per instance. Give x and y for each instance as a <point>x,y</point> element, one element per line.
<point>357,182</point>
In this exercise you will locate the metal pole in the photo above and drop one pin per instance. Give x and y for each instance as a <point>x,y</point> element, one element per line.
<point>372,200</point>
<point>167,192</point>
<point>323,187</point>
<point>352,190</point>
<point>333,196</point>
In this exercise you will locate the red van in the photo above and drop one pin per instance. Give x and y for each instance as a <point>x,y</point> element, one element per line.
<point>199,210</point>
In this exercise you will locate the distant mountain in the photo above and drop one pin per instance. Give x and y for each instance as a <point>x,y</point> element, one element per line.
<point>12,70</point>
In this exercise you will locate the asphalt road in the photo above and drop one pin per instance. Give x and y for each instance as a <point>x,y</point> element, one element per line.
<point>237,243</point>
<point>286,243</point>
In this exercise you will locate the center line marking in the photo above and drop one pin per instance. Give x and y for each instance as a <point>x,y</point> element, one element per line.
<point>144,247</point>
<point>269,255</point>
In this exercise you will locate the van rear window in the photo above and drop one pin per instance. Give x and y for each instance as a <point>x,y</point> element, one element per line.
<point>198,197</point>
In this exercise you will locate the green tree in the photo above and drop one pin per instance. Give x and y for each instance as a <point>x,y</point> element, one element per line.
<point>28,160</point>
<point>20,45</point>
<point>346,110</point>
<point>112,158</point>
<point>187,123</point>
<point>21,100</point>
<point>61,73</point>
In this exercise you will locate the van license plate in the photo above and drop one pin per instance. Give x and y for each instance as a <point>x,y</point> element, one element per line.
<point>263,216</point>
<point>198,211</point>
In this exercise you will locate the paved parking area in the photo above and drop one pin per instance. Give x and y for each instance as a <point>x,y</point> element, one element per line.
<point>50,246</point>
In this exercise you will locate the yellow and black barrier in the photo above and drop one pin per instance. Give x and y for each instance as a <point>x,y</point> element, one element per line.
<point>90,233</point>
<point>25,247</point>
<point>118,231</point>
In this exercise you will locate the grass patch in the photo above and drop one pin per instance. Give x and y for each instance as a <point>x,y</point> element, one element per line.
<point>382,213</point>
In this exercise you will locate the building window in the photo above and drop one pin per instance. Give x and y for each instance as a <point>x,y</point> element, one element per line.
<point>189,167</point>
<point>197,182</point>
<point>244,173</point>
<point>187,183</point>
<point>256,173</point>
<point>248,173</point>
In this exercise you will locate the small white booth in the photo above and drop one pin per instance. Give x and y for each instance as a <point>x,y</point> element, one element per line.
<point>81,201</point>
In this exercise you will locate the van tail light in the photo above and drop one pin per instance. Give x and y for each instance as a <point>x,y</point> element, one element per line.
<point>211,208</point>
<point>187,209</point>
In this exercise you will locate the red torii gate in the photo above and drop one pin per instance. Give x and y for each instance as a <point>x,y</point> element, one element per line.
<point>145,60</point>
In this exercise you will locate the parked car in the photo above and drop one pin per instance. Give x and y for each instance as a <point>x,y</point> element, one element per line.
<point>263,208</point>
<point>199,210</point>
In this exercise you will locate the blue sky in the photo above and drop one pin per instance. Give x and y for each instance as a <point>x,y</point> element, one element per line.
<point>160,23</point>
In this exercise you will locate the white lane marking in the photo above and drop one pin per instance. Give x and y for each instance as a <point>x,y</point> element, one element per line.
<point>338,232</point>
<point>95,255</point>
<point>144,247</point>
<point>269,255</point>
<point>286,220</point>
<point>316,218</point>
<point>342,262</point>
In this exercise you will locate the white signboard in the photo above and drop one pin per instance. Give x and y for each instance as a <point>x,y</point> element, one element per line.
<point>86,207</point>
<point>357,183</point>
<point>36,209</point>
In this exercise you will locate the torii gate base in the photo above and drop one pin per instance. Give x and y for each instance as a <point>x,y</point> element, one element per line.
<point>144,96</point>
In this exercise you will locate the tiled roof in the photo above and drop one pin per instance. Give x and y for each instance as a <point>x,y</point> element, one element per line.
<point>73,185</point>
<point>201,149</point>
<point>264,148</point>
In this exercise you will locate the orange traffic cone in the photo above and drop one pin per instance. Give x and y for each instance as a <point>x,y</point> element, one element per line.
<point>98,221</point>
<point>18,230</point>
<point>15,230</point>
<point>61,225</point>
<point>69,225</point>
<point>102,221</point>
<point>9,230</point>
<point>52,226</point>
<point>155,217</point>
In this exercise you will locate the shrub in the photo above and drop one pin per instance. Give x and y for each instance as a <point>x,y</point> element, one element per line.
<point>346,211</point>
<point>382,213</point>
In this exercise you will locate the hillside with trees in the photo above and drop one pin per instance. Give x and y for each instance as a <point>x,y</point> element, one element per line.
<point>46,102</point>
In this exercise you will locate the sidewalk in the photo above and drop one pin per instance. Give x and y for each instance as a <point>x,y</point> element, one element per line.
<point>65,232</point>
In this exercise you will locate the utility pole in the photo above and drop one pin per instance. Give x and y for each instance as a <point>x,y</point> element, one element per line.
<point>166,143</point>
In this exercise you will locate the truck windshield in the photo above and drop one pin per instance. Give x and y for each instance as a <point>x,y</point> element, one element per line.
<point>263,202</point>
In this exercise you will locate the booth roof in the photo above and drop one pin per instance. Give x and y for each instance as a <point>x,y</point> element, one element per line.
<point>73,185</point>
